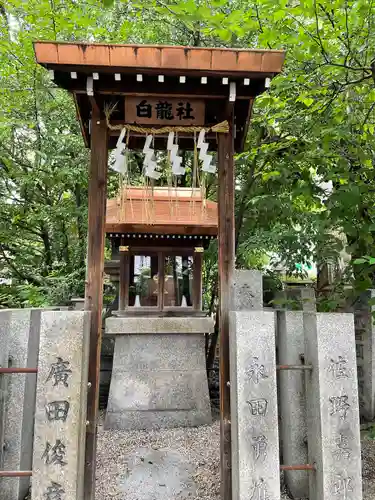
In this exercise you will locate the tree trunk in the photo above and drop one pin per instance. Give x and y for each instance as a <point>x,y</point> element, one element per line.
<point>47,247</point>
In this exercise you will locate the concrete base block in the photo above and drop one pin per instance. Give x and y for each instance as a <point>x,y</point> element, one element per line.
<point>158,380</point>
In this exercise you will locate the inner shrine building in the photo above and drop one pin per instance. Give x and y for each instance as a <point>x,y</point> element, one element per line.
<point>157,242</point>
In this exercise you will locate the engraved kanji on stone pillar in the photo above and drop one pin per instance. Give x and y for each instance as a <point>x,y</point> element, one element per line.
<point>332,407</point>
<point>60,417</point>
<point>254,420</point>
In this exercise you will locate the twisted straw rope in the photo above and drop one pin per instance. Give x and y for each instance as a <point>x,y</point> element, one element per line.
<point>222,127</point>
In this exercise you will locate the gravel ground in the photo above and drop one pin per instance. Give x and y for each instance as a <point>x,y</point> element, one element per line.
<point>368,467</point>
<point>200,446</point>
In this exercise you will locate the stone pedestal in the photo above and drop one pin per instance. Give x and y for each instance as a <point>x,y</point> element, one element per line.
<point>293,430</point>
<point>254,419</point>
<point>19,346</point>
<point>159,374</point>
<point>332,407</point>
<point>60,413</point>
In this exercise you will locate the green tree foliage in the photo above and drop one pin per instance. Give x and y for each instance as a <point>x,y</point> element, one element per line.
<point>316,124</point>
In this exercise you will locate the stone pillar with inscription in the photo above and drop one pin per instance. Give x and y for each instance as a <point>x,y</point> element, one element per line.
<point>254,419</point>
<point>332,407</point>
<point>19,345</point>
<point>60,416</point>
<point>365,346</point>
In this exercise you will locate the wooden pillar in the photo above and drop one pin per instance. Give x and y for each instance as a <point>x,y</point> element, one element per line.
<point>97,195</point>
<point>131,278</point>
<point>161,280</point>
<point>123,301</point>
<point>197,278</point>
<point>154,265</point>
<point>226,270</point>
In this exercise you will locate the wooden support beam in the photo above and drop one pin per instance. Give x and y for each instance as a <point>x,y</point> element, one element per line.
<point>94,286</point>
<point>226,269</point>
<point>123,302</point>
<point>94,104</point>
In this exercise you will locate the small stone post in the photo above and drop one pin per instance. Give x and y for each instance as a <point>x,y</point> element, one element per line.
<point>254,419</point>
<point>60,417</point>
<point>332,407</point>
<point>247,290</point>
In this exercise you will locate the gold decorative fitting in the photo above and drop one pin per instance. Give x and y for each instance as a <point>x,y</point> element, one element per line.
<point>124,249</point>
<point>198,249</point>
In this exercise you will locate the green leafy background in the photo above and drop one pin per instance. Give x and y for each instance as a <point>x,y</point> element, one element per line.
<point>316,124</point>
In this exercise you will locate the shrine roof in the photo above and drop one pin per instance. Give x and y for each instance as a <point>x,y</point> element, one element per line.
<point>160,57</point>
<point>163,210</point>
<point>106,76</point>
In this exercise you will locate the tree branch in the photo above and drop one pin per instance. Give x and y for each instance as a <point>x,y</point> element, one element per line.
<point>322,49</point>
<point>16,271</point>
<point>368,113</point>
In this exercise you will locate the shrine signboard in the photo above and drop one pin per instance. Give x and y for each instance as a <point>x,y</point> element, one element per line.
<point>164,111</point>
<point>60,413</point>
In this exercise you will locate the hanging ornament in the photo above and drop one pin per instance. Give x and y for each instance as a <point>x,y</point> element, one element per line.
<point>170,140</point>
<point>120,164</point>
<point>149,162</point>
<point>147,145</point>
<point>151,171</point>
<point>173,156</point>
<point>206,159</point>
<point>201,135</point>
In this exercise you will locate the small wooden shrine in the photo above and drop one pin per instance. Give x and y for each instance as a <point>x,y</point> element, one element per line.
<point>157,238</point>
<point>150,99</point>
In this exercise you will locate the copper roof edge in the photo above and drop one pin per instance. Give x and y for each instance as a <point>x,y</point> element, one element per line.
<point>166,57</point>
<point>156,46</point>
